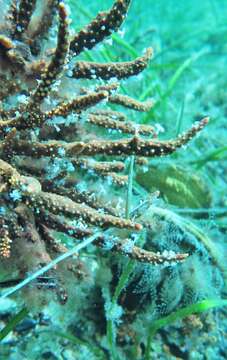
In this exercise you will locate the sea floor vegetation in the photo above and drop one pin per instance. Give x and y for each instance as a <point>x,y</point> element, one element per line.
<point>113,180</point>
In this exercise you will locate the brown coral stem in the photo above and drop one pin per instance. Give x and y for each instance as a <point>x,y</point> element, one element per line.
<point>106,71</point>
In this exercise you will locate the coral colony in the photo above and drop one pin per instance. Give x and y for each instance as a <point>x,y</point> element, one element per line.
<point>47,136</point>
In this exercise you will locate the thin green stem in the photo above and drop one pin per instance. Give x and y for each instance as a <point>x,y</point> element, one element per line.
<point>129,190</point>
<point>180,314</point>
<point>127,270</point>
<point>13,322</point>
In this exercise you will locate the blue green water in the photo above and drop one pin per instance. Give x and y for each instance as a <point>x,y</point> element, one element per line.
<point>105,302</point>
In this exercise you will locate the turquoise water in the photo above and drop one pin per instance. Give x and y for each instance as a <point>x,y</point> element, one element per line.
<point>113,215</point>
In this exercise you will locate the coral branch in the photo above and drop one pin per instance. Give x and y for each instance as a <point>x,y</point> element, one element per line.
<point>55,67</point>
<point>114,115</point>
<point>121,70</point>
<point>5,241</point>
<point>55,222</point>
<point>101,27</point>
<point>25,11</point>
<point>127,127</point>
<point>31,189</point>
<point>85,197</point>
<point>135,145</point>
<point>11,16</point>
<point>42,24</point>
<point>78,104</point>
<point>99,167</point>
<point>130,103</point>
<point>60,204</point>
<point>126,247</point>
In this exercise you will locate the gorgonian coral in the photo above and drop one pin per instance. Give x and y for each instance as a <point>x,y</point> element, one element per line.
<point>47,136</point>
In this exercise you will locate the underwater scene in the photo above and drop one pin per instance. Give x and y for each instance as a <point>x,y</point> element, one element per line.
<point>113,173</point>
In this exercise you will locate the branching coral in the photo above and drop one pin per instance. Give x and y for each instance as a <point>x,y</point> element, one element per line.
<point>42,129</point>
